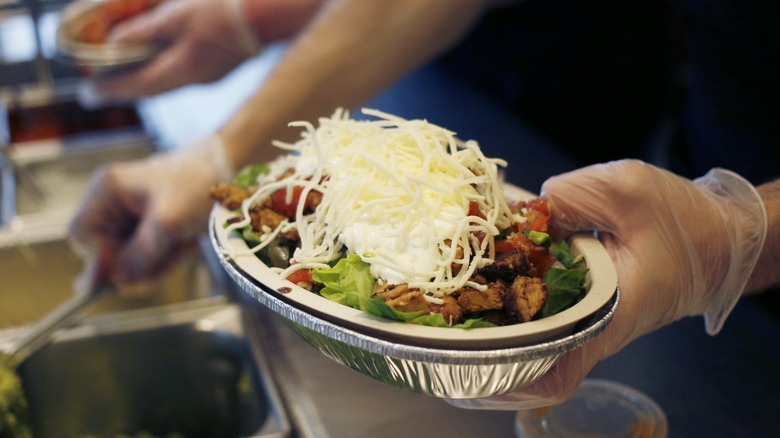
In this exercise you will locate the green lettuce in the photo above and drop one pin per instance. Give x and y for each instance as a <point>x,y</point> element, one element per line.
<point>565,286</point>
<point>247,176</point>
<point>378,307</point>
<point>348,282</point>
<point>561,251</point>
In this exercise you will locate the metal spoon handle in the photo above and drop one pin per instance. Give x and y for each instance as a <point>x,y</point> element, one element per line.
<point>61,317</point>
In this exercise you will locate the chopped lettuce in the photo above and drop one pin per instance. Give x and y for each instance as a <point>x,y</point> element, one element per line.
<point>378,307</point>
<point>566,287</point>
<point>250,236</point>
<point>247,176</point>
<point>349,282</point>
<point>14,409</point>
<point>561,251</point>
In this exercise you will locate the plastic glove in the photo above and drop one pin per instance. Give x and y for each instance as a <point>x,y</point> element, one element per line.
<point>139,217</point>
<point>204,40</point>
<point>680,248</point>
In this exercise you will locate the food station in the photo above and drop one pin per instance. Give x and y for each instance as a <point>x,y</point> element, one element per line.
<point>200,355</point>
<point>176,358</point>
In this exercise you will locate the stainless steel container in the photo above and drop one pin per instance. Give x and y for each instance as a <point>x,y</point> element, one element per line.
<point>181,370</point>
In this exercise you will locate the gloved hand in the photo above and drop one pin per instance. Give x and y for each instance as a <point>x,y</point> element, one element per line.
<point>138,217</point>
<point>681,248</point>
<point>204,39</point>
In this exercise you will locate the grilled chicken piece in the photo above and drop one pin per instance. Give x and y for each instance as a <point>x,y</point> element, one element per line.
<point>265,217</point>
<point>389,291</point>
<point>262,217</point>
<point>313,200</point>
<point>401,297</point>
<point>507,267</point>
<point>473,300</point>
<point>524,298</point>
<point>449,309</point>
<point>410,301</point>
<point>230,196</point>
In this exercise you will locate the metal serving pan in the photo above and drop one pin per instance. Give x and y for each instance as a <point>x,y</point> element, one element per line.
<point>181,370</point>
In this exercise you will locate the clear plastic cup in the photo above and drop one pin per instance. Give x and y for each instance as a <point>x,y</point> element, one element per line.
<point>599,408</point>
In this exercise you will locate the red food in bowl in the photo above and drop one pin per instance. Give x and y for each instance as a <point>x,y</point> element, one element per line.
<point>98,26</point>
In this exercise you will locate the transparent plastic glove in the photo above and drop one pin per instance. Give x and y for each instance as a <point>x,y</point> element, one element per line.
<point>204,39</point>
<point>681,248</point>
<point>139,217</point>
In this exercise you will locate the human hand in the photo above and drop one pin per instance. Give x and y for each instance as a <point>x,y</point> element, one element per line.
<point>138,218</point>
<point>202,40</point>
<point>680,247</point>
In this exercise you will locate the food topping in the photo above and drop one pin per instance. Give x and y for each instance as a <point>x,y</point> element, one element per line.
<point>100,23</point>
<point>13,404</point>
<point>398,218</point>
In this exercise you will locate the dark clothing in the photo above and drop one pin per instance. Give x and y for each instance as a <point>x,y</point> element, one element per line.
<point>732,113</point>
<point>601,78</point>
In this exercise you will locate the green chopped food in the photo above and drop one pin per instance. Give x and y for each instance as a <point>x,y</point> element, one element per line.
<point>13,404</point>
<point>247,176</point>
<point>538,237</point>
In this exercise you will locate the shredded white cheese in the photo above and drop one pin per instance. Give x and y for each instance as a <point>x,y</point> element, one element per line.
<point>397,193</point>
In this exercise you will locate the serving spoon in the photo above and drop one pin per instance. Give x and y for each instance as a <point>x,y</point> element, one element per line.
<point>63,316</point>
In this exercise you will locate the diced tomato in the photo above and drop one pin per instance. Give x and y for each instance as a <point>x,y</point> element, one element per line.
<point>541,259</point>
<point>475,211</point>
<point>99,24</point>
<point>539,256</point>
<point>504,245</point>
<point>280,205</point>
<point>537,221</point>
<point>537,215</point>
<point>279,201</point>
<point>300,276</point>
<point>539,205</point>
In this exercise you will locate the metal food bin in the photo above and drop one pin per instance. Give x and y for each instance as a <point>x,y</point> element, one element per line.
<point>187,369</point>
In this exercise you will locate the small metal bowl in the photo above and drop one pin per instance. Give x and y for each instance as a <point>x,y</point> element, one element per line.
<point>444,372</point>
<point>95,58</point>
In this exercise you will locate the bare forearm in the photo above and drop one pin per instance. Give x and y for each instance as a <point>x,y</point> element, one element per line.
<point>351,50</point>
<point>274,20</point>
<point>767,271</point>
<point>264,15</point>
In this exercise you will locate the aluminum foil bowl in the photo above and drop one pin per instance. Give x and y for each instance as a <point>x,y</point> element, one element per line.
<point>94,58</point>
<point>602,282</point>
<point>453,368</point>
<point>442,373</point>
